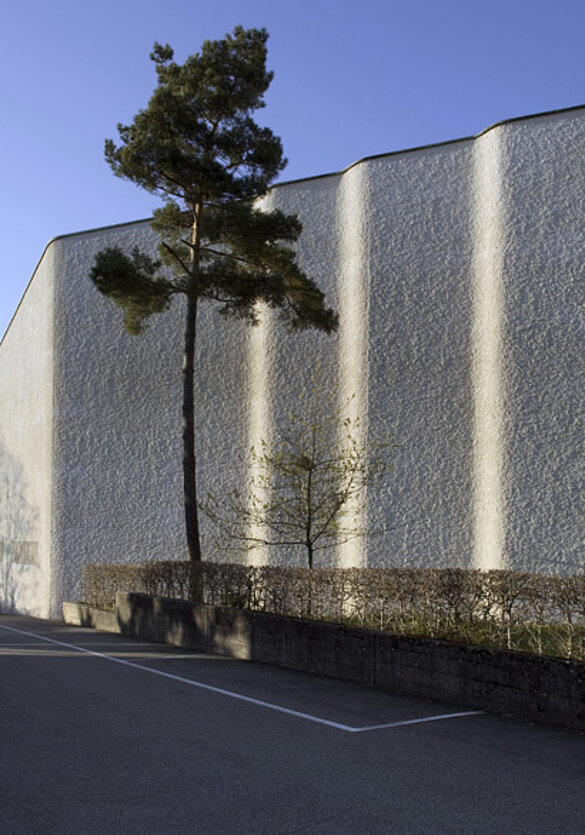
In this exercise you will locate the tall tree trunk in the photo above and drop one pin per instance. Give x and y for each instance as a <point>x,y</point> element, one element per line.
<point>309,523</point>
<point>189,459</point>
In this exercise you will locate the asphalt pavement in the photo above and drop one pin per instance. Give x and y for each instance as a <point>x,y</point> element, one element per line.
<point>104,734</point>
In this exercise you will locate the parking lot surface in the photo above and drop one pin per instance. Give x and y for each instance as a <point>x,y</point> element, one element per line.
<point>104,734</point>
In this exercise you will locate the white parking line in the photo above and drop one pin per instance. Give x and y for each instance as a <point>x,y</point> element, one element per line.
<point>231,694</point>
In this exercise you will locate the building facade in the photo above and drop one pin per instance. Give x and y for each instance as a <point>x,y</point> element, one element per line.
<point>457,271</point>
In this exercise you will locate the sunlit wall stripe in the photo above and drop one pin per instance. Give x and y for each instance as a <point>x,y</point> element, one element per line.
<point>259,408</point>
<point>488,367</point>
<point>259,412</point>
<point>353,306</point>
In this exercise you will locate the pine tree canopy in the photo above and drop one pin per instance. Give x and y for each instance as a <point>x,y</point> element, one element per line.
<point>198,148</point>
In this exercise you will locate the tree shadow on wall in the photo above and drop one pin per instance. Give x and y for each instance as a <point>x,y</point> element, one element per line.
<point>19,524</point>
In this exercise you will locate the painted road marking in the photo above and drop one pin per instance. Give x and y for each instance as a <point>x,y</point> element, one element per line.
<point>231,694</point>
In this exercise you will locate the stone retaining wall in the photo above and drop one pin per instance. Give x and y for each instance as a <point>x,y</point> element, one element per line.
<point>535,687</point>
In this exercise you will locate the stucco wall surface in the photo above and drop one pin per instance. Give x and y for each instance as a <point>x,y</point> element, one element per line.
<point>457,274</point>
<point>118,479</point>
<point>26,432</point>
<point>389,242</point>
<point>117,470</point>
<point>419,325</point>
<point>544,349</point>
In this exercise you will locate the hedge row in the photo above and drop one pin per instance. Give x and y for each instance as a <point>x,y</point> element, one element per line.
<point>513,610</point>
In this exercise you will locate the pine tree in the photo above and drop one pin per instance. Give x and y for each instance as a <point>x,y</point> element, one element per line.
<point>198,148</point>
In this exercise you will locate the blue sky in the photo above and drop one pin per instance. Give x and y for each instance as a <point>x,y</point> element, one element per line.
<point>351,79</point>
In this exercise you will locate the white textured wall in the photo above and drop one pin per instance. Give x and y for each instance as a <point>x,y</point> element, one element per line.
<point>293,358</point>
<point>544,344</point>
<point>117,466</point>
<point>118,483</point>
<point>457,271</point>
<point>420,323</point>
<point>488,378</point>
<point>26,428</point>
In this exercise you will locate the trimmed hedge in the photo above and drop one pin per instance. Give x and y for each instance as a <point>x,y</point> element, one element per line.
<point>506,609</point>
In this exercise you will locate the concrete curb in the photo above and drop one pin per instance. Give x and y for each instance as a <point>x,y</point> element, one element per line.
<point>79,614</point>
<point>534,687</point>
